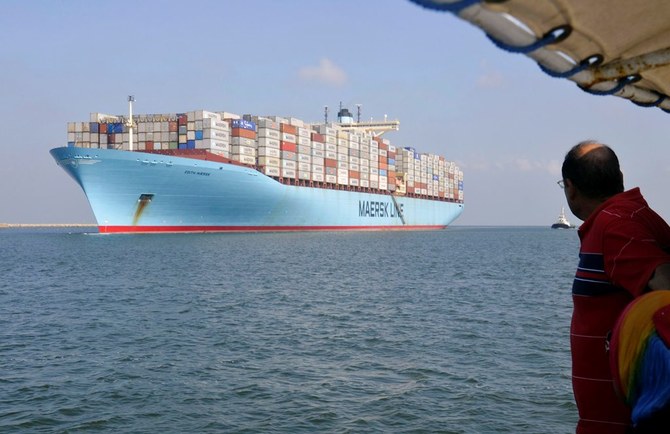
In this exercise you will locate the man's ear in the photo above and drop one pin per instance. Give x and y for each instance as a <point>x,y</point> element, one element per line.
<point>571,190</point>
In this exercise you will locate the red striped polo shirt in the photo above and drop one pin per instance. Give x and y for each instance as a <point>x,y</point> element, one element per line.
<point>622,243</point>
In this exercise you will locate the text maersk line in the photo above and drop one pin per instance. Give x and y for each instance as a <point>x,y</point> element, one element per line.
<point>371,208</point>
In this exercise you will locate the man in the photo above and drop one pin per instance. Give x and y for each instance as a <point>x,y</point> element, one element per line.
<point>625,251</point>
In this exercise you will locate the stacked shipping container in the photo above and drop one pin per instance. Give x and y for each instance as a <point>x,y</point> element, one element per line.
<point>284,148</point>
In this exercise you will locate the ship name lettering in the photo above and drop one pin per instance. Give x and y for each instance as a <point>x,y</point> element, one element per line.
<point>371,208</point>
<point>193,172</point>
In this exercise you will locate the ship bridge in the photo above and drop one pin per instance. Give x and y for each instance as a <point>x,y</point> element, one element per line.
<point>376,128</point>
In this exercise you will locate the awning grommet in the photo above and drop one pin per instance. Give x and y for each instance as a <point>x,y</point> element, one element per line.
<point>593,60</point>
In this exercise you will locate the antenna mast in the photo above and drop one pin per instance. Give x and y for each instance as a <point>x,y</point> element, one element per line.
<point>129,123</point>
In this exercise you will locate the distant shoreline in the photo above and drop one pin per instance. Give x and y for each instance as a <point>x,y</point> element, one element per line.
<point>45,225</point>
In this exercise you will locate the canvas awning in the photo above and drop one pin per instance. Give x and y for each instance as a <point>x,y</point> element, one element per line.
<point>608,47</point>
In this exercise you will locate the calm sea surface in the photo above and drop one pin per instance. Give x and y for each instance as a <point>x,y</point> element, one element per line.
<point>457,331</point>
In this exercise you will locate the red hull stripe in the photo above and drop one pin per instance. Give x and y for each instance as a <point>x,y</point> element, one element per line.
<point>184,229</point>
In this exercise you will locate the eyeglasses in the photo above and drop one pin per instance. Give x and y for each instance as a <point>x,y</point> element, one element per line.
<point>560,183</point>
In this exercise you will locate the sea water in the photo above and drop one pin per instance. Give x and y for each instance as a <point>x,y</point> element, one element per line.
<point>464,330</point>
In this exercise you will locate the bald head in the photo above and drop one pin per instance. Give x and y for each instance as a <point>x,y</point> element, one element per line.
<point>593,168</point>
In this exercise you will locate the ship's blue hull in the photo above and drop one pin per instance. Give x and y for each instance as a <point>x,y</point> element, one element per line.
<point>146,192</point>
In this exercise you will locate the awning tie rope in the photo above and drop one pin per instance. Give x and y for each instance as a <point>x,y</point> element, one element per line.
<point>590,61</point>
<point>658,101</point>
<point>622,82</point>
<point>454,7</point>
<point>555,35</point>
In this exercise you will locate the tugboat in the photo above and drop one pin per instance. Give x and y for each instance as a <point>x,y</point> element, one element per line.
<point>562,222</point>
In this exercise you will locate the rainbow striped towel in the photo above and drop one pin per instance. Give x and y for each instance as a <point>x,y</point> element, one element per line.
<point>640,355</point>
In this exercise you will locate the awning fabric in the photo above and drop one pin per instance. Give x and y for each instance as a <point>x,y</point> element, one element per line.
<point>607,47</point>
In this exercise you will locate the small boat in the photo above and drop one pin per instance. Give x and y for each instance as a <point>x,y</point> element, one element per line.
<point>562,222</point>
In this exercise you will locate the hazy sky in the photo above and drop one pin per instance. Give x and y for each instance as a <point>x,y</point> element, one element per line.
<point>505,122</point>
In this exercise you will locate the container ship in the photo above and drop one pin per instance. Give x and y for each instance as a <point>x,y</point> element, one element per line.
<point>206,171</point>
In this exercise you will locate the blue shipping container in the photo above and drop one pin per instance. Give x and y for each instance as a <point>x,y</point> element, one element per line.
<point>245,125</point>
<point>70,144</point>
<point>391,161</point>
<point>94,127</point>
<point>190,144</point>
<point>382,172</point>
<point>198,135</point>
<point>436,177</point>
<point>182,146</point>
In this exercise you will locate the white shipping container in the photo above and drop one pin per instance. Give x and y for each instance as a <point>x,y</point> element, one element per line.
<point>319,161</point>
<point>319,177</point>
<point>305,141</point>
<point>343,157</point>
<point>271,171</point>
<point>269,133</point>
<point>306,176</point>
<point>331,148</point>
<point>243,150</point>
<point>269,161</point>
<point>317,169</point>
<point>365,175</point>
<point>343,180</point>
<point>264,151</point>
<point>331,178</point>
<point>331,155</point>
<point>304,158</point>
<point>355,167</point>
<point>354,145</point>
<point>365,183</point>
<point>318,153</point>
<point>267,123</point>
<point>286,137</point>
<point>304,167</point>
<point>210,133</point>
<point>243,141</point>
<point>215,124</point>
<point>343,165</point>
<point>331,140</point>
<point>342,172</point>
<point>190,135</point>
<point>246,159</point>
<point>289,164</point>
<point>303,132</point>
<point>374,177</point>
<point>302,149</point>
<point>288,173</point>
<point>325,130</point>
<point>296,122</point>
<point>268,142</point>
<point>318,146</point>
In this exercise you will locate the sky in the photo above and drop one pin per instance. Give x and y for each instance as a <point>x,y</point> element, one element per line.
<point>503,121</point>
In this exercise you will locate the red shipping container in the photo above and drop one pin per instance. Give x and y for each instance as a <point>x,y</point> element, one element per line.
<point>182,119</point>
<point>241,132</point>
<point>383,166</point>
<point>316,137</point>
<point>149,145</point>
<point>173,127</point>
<point>288,129</point>
<point>103,128</point>
<point>382,159</point>
<point>354,174</point>
<point>328,162</point>
<point>288,146</point>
